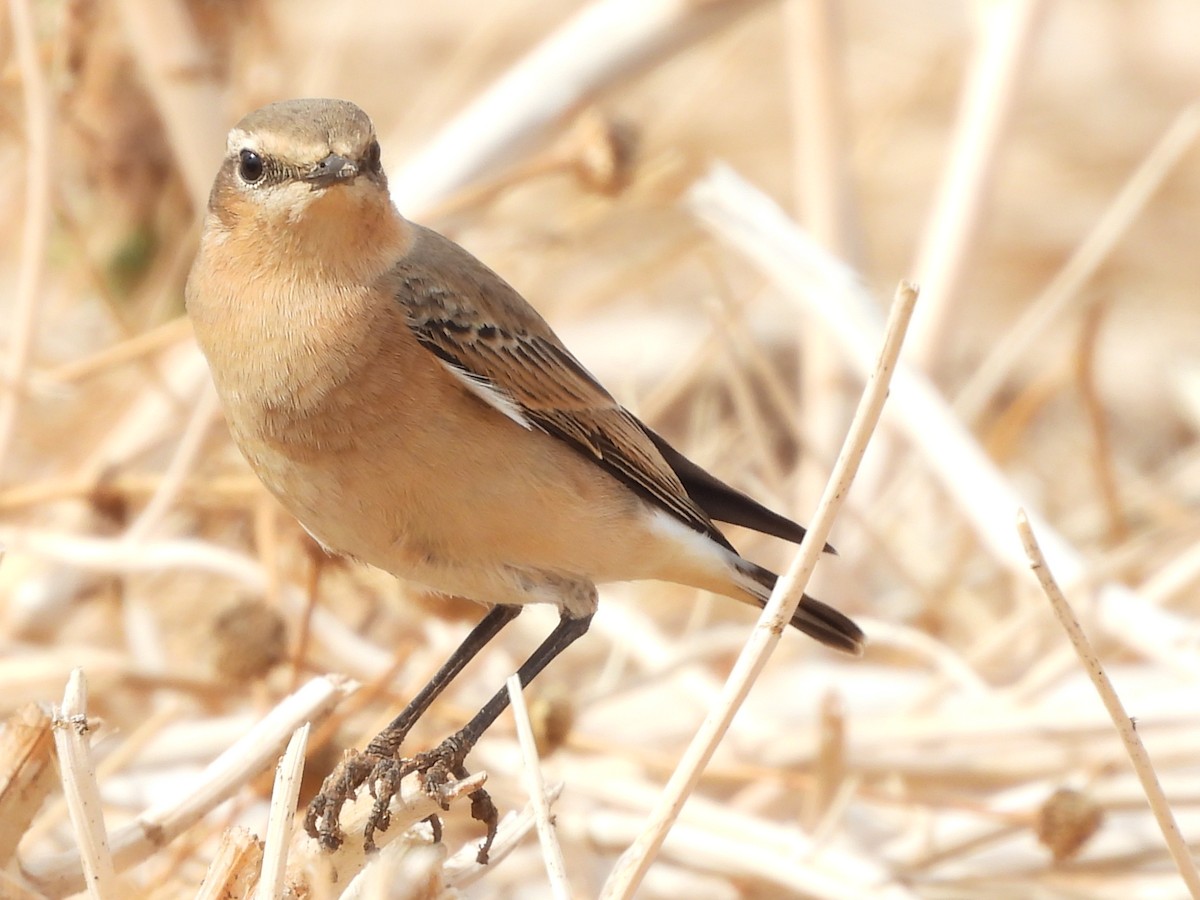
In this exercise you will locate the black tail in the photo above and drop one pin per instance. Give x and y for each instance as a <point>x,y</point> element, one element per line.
<point>816,619</point>
<point>725,503</point>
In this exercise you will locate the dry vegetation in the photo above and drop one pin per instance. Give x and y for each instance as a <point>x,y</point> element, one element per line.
<point>1051,217</point>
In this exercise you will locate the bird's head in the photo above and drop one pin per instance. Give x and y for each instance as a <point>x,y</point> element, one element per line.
<point>300,171</point>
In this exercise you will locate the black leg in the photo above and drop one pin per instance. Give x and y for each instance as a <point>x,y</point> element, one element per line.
<point>322,819</point>
<point>565,633</point>
<point>388,741</point>
<point>445,761</point>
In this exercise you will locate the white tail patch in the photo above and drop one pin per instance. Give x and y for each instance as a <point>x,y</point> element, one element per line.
<point>714,567</point>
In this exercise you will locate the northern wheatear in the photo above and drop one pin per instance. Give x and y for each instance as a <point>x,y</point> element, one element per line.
<point>413,411</point>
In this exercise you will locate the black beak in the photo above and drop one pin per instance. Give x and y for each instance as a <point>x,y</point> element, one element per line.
<point>331,170</point>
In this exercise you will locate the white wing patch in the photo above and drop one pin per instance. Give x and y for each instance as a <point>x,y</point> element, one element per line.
<point>485,390</point>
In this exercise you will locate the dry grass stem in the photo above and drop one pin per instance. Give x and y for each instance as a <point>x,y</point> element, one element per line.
<point>759,229</point>
<point>817,90</point>
<point>606,41</point>
<point>1181,853</point>
<point>117,759</point>
<point>1004,33</point>
<point>403,871</point>
<point>204,412</point>
<point>177,70</point>
<point>631,869</point>
<point>27,776</point>
<point>742,846</point>
<point>283,814</point>
<point>133,349</point>
<point>830,763</point>
<point>1093,404</point>
<point>235,867</point>
<point>157,826</point>
<point>23,316</point>
<point>71,739</point>
<point>825,203</point>
<point>1066,286</point>
<point>556,869</point>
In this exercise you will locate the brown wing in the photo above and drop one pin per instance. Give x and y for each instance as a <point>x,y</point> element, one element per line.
<point>478,325</point>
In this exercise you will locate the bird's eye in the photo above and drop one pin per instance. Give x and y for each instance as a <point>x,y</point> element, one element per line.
<point>250,166</point>
<point>373,156</point>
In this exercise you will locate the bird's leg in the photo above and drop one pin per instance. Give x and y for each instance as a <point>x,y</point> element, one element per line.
<point>445,761</point>
<point>343,783</point>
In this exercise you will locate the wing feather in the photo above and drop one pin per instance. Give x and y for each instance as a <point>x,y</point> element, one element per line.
<point>486,333</point>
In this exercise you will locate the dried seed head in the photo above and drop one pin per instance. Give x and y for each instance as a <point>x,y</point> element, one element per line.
<point>249,639</point>
<point>552,715</point>
<point>1066,821</point>
<point>603,151</point>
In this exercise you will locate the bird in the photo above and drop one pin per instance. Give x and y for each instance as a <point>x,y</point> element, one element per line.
<point>414,412</point>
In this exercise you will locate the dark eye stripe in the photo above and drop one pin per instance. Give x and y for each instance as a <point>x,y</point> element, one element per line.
<point>257,170</point>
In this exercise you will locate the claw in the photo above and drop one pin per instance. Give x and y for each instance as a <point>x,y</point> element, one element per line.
<point>341,786</point>
<point>484,810</point>
<point>383,777</point>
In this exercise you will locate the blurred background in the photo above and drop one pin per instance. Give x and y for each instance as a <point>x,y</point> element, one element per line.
<point>1032,164</point>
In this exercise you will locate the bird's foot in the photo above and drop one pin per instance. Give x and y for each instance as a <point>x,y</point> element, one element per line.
<point>439,768</point>
<point>339,788</point>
